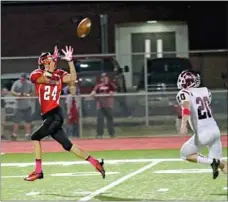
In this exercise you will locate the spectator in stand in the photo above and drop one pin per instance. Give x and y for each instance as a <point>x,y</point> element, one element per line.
<point>72,112</point>
<point>120,82</point>
<point>104,105</point>
<point>22,89</point>
<point>4,92</point>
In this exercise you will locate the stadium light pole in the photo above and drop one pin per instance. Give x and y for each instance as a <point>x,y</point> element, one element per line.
<point>104,33</point>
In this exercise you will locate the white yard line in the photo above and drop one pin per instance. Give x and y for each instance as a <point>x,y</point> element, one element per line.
<point>119,181</point>
<point>183,171</point>
<point>163,190</point>
<point>32,193</point>
<point>67,163</point>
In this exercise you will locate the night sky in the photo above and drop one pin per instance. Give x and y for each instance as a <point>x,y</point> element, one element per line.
<point>207,21</point>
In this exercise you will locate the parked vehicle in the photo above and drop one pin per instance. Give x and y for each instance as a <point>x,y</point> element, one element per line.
<point>162,73</point>
<point>90,69</point>
<point>8,79</point>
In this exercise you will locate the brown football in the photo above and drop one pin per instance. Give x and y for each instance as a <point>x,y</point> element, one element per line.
<point>84,27</point>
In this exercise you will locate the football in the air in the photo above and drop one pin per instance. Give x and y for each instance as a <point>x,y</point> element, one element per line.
<point>84,27</point>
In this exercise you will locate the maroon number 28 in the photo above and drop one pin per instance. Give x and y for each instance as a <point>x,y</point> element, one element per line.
<point>204,110</point>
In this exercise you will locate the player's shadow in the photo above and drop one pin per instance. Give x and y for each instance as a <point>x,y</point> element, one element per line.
<point>110,198</point>
<point>66,196</point>
<point>59,195</point>
<point>100,197</point>
<point>220,194</point>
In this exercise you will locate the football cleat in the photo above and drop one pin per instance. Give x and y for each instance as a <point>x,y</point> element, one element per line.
<point>34,176</point>
<point>215,166</point>
<point>100,167</point>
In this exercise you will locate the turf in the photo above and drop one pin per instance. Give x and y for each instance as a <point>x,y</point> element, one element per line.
<point>147,185</point>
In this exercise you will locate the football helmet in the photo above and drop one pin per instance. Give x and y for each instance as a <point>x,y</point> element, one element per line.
<point>188,79</point>
<point>45,58</point>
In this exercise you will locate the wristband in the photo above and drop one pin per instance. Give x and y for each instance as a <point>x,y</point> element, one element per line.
<point>186,111</point>
<point>48,74</point>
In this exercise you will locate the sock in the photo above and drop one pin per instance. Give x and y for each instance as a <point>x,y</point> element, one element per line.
<point>38,166</point>
<point>204,160</point>
<point>92,160</point>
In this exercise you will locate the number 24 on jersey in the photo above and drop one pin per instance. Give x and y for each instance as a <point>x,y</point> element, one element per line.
<point>50,93</point>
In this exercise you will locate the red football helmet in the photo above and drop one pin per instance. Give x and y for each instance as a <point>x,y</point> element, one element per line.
<point>188,79</point>
<point>45,58</point>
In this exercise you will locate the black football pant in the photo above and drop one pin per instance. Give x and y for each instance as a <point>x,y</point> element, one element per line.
<point>101,113</point>
<point>52,125</point>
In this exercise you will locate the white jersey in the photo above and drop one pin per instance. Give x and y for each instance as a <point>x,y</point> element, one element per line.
<point>201,114</point>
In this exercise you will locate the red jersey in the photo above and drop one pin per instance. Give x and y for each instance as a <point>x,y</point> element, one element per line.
<point>106,101</point>
<point>48,94</point>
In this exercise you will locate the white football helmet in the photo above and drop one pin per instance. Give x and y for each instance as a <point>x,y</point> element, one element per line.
<point>188,79</point>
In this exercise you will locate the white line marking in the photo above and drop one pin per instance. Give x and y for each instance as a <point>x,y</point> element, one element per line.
<point>81,174</point>
<point>119,181</point>
<point>82,193</point>
<point>182,171</point>
<point>78,174</point>
<point>163,189</point>
<point>68,163</point>
<point>33,193</point>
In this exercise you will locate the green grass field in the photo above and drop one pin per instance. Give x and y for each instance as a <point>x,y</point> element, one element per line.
<point>138,175</point>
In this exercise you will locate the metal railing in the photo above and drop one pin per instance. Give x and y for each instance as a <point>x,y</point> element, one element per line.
<point>211,64</point>
<point>135,114</point>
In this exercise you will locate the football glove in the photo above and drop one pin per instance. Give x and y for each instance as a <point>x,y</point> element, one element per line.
<point>68,53</point>
<point>55,54</point>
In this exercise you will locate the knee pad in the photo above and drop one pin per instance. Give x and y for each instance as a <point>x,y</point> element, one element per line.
<point>67,145</point>
<point>62,139</point>
<point>36,136</point>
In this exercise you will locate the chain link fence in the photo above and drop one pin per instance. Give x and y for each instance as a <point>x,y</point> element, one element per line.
<point>134,114</point>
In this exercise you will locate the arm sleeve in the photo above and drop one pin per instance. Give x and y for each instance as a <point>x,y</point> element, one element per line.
<point>62,73</point>
<point>34,76</point>
<point>182,96</point>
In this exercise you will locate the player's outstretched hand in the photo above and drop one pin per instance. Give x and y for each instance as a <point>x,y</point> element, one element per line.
<point>55,54</point>
<point>68,53</point>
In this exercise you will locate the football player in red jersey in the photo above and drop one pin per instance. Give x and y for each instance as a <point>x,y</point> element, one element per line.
<point>48,82</point>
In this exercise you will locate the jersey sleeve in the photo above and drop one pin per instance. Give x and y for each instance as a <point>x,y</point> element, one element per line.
<point>182,96</point>
<point>35,75</point>
<point>62,73</point>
